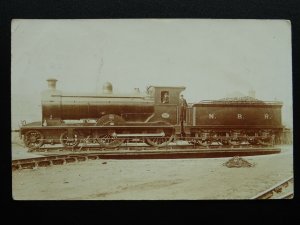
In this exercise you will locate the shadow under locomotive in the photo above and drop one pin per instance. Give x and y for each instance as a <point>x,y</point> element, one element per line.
<point>157,118</point>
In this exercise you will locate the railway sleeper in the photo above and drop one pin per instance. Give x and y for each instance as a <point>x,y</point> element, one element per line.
<point>70,160</point>
<point>81,158</point>
<point>30,165</point>
<point>58,161</point>
<point>44,163</point>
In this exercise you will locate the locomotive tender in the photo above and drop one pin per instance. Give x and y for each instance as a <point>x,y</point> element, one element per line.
<point>110,119</point>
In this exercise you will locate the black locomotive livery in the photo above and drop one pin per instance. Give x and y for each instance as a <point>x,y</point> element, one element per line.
<point>110,119</point>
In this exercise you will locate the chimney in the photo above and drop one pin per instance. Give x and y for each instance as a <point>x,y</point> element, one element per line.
<point>252,93</point>
<point>52,83</point>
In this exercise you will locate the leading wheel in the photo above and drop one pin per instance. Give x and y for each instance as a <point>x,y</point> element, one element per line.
<point>69,141</point>
<point>33,139</point>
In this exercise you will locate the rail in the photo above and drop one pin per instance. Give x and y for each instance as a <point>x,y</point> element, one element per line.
<point>60,158</point>
<point>277,191</point>
<point>138,142</point>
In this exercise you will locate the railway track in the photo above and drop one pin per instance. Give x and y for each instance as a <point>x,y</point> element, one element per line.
<point>60,158</point>
<point>91,148</point>
<point>88,143</point>
<point>282,190</point>
<point>141,146</point>
<point>45,161</point>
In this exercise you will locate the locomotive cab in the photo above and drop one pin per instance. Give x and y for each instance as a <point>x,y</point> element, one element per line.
<point>166,103</point>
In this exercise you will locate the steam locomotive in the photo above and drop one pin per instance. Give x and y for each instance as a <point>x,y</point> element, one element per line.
<point>109,119</point>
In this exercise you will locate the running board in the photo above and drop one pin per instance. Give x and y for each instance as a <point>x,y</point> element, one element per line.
<point>162,134</point>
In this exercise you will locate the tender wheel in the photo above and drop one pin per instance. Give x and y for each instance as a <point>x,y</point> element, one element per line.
<point>33,139</point>
<point>204,143</point>
<point>234,142</point>
<point>108,140</point>
<point>225,142</point>
<point>195,140</point>
<point>69,142</point>
<point>253,142</point>
<point>265,142</point>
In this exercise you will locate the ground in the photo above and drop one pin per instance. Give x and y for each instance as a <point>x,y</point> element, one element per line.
<point>152,179</point>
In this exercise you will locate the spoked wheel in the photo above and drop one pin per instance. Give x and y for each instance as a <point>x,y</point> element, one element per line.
<point>108,140</point>
<point>225,142</point>
<point>110,120</point>
<point>253,142</point>
<point>33,139</point>
<point>265,142</point>
<point>165,139</point>
<point>195,140</point>
<point>160,141</point>
<point>234,142</point>
<point>71,141</point>
<point>204,143</point>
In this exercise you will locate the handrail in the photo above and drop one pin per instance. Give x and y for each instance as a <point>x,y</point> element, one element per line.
<point>239,102</point>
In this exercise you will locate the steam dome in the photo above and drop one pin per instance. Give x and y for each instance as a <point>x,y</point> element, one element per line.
<point>107,88</point>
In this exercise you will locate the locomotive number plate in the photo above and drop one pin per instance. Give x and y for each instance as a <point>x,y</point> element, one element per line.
<point>165,115</point>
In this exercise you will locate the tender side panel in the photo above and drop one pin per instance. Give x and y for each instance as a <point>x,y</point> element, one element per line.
<point>262,115</point>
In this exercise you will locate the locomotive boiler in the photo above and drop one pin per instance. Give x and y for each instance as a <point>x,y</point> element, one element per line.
<point>58,106</point>
<point>153,117</point>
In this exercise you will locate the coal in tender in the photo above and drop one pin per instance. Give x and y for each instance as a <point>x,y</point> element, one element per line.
<point>238,162</point>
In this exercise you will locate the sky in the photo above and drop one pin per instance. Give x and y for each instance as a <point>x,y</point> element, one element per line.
<point>212,58</point>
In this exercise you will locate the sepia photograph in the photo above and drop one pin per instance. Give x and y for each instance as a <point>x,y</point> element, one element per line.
<point>151,109</point>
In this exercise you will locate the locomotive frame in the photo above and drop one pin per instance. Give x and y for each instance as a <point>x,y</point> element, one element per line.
<point>109,119</point>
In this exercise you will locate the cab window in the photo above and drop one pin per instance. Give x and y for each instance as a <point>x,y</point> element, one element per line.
<point>165,98</point>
